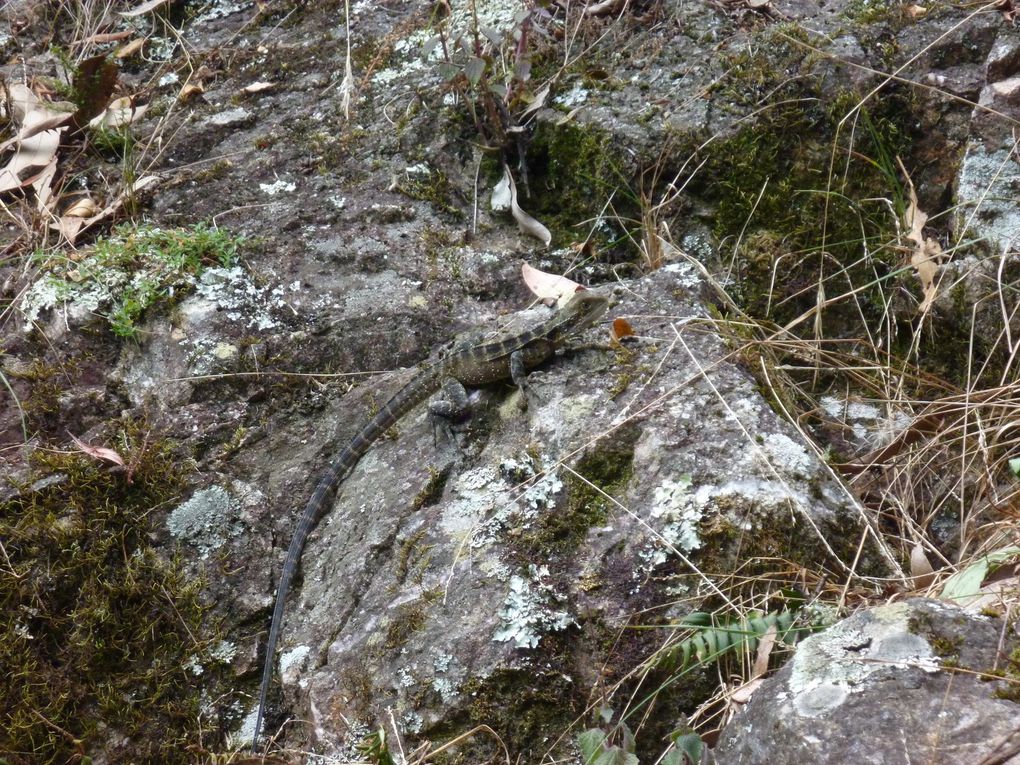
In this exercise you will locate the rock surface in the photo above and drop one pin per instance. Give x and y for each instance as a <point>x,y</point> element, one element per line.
<point>522,578</point>
<point>913,681</point>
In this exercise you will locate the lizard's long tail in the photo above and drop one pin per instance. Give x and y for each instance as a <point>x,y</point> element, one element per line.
<point>403,401</point>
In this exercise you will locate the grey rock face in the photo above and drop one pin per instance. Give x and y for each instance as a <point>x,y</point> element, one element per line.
<point>900,683</point>
<point>551,527</point>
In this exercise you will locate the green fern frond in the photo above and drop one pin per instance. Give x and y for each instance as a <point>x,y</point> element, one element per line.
<point>713,639</point>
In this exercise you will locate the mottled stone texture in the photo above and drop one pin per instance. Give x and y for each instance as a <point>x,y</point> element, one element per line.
<point>908,682</point>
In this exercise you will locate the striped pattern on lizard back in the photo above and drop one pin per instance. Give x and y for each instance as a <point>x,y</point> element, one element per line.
<point>476,365</point>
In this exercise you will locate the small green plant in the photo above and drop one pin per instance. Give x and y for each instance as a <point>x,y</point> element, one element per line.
<point>617,746</point>
<point>375,749</point>
<point>129,271</point>
<point>713,639</point>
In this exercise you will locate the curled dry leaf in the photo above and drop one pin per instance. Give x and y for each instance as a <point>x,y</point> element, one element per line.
<point>145,7</point>
<point>550,288</point>
<point>537,102</point>
<point>68,226</point>
<point>765,646</point>
<point>920,568</point>
<point>258,87</point>
<point>98,452</point>
<point>131,48</point>
<point>621,329</point>
<point>743,694</point>
<point>506,190</point>
<point>82,208</point>
<point>31,161</point>
<point>925,252</point>
<point>189,91</point>
<point>33,116</point>
<point>105,37</point>
<point>604,7</point>
<point>119,112</point>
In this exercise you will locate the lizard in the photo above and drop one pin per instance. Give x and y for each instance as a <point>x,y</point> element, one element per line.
<point>475,365</point>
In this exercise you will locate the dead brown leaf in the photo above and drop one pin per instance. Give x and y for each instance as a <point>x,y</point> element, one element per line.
<point>621,329</point>
<point>765,646</point>
<point>130,49</point>
<point>550,288</point>
<point>105,37</point>
<point>189,91</point>
<point>98,452</point>
<point>94,83</point>
<point>920,568</point>
<point>926,253</point>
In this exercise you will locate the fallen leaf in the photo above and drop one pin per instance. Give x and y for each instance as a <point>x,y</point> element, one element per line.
<point>93,84</point>
<point>43,186</point>
<point>743,694</point>
<point>145,7</point>
<point>621,329</point>
<point>548,287</point>
<point>925,252</point>
<point>33,115</point>
<point>601,9</point>
<point>190,90</point>
<point>131,48</point>
<point>68,226</point>
<point>98,452</point>
<point>537,102</point>
<point>119,112</point>
<point>258,87</point>
<point>105,37</point>
<point>965,586</point>
<point>527,224</point>
<point>915,11</point>
<point>920,568</point>
<point>765,646</point>
<point>31,160</point>
<point>82,208</point>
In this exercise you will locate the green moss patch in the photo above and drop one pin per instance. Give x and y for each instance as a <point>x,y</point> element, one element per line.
<point>100,627</point>
<point>129,271</point>
<point>606,470</point>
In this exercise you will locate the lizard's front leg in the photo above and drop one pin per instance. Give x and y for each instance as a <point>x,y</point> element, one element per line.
<point>453,405</point>
<point>519,376</point>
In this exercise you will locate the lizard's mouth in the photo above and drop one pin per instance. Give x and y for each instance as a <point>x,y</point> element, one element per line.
<point>593,307</point>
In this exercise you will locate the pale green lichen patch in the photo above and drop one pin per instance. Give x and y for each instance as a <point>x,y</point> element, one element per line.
<point>531,609</point>
<point>675,506</point>
<point>490,501</point>
<point>987,194</point>
<point>294,659</point>
<point>241,299</point>
<point>415,53</point>
<point>126,273</point>
<point>785,456</point>
<point>827,668</point>
<point>206,520</point>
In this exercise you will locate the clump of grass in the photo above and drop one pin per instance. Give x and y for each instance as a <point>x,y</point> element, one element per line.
<point>99,627</point>
<point>129,271</point>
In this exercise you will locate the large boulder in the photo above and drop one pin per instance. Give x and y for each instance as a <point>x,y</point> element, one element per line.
<point>915,681</point>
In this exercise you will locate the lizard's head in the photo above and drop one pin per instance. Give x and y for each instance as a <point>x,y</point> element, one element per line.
<point>584,309</point>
